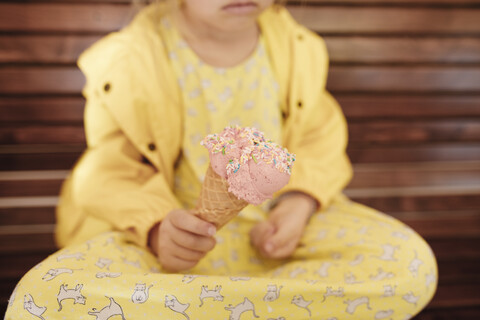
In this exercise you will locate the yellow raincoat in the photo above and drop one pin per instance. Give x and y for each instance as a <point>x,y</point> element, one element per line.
<point>133,123</point>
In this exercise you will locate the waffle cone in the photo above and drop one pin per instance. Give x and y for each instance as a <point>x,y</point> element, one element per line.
<point>216,204</point>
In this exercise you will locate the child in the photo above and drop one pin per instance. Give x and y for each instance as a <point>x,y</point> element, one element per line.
<point>132,248</point>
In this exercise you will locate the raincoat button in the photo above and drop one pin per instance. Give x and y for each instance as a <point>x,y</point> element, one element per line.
<point>107,87</point>
<point>152,146</point>
<point>299,104</point>
<point>284,115</point>
<point>300,37</point>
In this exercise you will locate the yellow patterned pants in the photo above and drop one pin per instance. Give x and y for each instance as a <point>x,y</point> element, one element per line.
<point>353,263</point>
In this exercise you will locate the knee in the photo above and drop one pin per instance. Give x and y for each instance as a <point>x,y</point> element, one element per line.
<point>27,297</point>
<point>419,283</point>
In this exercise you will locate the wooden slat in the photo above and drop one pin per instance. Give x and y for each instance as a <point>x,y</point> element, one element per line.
<point>44,48</point>
<point>26,229</point>
<point>430,50</point>
<point>38,161</point>
<point>41,80</point>
<point>39,157</point>
<point>42,134</point>
<point>34,215</point>
<point>394,131</point>
<point>410,191</point>
<point>355,107</point>
<point>357,49</point>
<point>38,110</point>
<point>26,243</point>
<point>409,206</point>
<point>456,249</point>
<point>20,264</point>
<point>464,312</point>
<point>28,202</point>
<point>388,20</point>
<point>422,174</point>
<point>457,296</point>
<point>40,175</point>
<point>452,272</point>
<point>358,107</point>
<point>69,80</point>
<point>446,225</point>
<point>62,17</point>
<point>413,153</point>
<point>403,79</point>
<point>41,149</point>
<point>30,188</point>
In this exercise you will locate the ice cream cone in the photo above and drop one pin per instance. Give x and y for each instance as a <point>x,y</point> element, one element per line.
<point>216,204</point>
<point>244,168</point>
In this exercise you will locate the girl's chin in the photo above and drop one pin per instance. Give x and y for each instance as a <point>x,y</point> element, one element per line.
<point>236,23</point>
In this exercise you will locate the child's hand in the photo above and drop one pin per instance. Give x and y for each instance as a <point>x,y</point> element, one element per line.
<point>181,240</point>
<point>280,234</point>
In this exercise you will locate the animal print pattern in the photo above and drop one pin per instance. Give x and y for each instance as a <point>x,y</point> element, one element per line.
<point>352,263</point>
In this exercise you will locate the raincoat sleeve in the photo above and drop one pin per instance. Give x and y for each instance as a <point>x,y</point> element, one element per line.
<point>318,127</point>
<point>115,181</point>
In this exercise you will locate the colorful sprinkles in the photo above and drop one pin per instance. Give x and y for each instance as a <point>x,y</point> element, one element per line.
<point>252,144</point>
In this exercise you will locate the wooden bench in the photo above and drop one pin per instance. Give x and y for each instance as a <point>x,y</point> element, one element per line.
<point>407,74</point>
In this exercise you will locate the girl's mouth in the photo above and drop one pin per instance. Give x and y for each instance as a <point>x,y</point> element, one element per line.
<point>240,7</point>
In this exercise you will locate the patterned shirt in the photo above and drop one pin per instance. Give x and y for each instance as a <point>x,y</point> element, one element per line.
<point>213,98</point>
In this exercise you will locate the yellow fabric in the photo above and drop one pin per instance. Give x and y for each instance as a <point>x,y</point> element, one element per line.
<point>213,98</point>
<point>354,263</point>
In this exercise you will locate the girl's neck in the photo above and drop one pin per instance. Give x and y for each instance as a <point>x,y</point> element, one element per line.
<point>214,46</point>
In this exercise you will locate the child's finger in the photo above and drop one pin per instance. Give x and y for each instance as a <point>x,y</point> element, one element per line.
<point>191,223</point>
<point>187,254</point>
<point>255,234</point>
<point>280,239</point>
<point>260,233</point>
<point>283,251</point>
<point>193,241</point>
<point>174,264</point>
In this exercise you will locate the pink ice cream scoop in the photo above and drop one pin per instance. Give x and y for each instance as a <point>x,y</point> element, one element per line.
<point>253,166</point>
